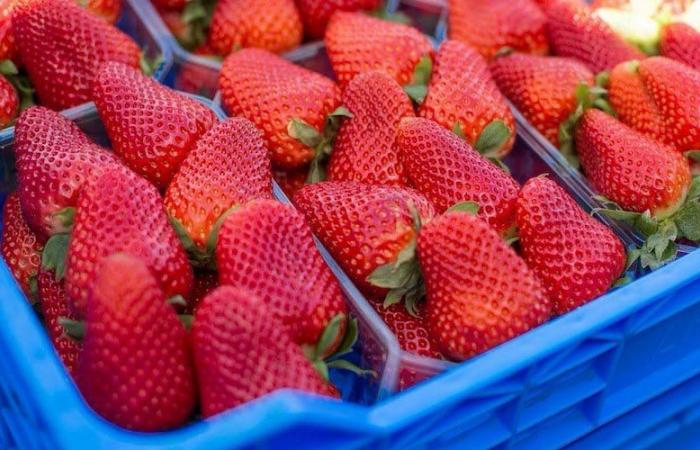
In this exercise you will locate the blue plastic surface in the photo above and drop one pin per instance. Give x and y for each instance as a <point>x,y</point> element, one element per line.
<point>137,22</point>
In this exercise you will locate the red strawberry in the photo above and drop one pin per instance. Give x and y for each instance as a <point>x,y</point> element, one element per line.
<point>495,24</point>
<point>682,43</point>
<point>122,212</point>
<point>271,92</point>
<point>390,47</point>
<point>316,13</point>
<point>364,147</point>
<point>204,283</point>
<point>54,306</point>
<point>273,25</point>
<point>575,32</point>
<point>267,248</point>
<point>8,49</point>
<point>659,98</point>
<point>228,166</point>
<point>366,228</point>
<point>109,10</point>
<point>575,257</point>
<point>53,159</point>
<point>462,95</point>
<point>170,4</point>
<point>630,169</point>
<point>479,292</point>
<point>151,127</point>
<point>448,171</point>
<point>9,102</point>
<point>135,367</point>
<point>235,333</point>
<point>290,181</point>
<point>63,46</point>
<point>542,88</point>
<point>197,78</point>
<point>20,247</point>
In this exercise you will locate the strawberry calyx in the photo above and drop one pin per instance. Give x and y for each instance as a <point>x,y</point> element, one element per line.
<point>383,13</point>
<point>327,353</point>
<point>149,64</point>
<point>490,142</point>
<point>201,258</point>
<point>320,142</point>
<point>197,16</point>
<point>587,97</point>
<point>661,230</point>
<point>20,82</point>
<point>402,277</point>
<point>53,258</point>
<point>422,73</point>
<point>73,329</point>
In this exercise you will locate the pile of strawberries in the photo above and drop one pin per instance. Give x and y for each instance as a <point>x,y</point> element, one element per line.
<point>172,283</point>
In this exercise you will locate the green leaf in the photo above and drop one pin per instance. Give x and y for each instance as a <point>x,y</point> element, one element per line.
<point>394,296</point>
<point>500,164</point>
<point>321,368</point>
<point>329,336</point>
<point>182,234</point>
<point>602,79</point>
<point>341,111</point>
<point>416,92</point>
<point>512,240</point>
<point>467,207</point>
<point>413,297</point>
<point>659,241</point>
<point>74,329</point>
<point>350,338</point>
<point>7,67</point>
<point>492,138</point>
<point>618,214</point>
<point>149,64</point>
<point>694,190</point>
<point>54,256</point>
<point>347,365</point>
<point>33,289</point>
<point>186,320</point>
<point>395,274</point>
<point>622,281</point>
<point>213,238</point>
<point>62,221</point>
<point>688,221</point>
<point>316,172</point>
<point>397,17</point>
<point>193,11</point>
<point>423,71</point>
<point>632,257</point>
<point>646,224</point>
<point>693,154</point>
<point>177,300</point>
<point>304,133</point>
<point>457,129</point>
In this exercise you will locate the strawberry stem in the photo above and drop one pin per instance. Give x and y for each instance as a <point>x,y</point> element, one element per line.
<point>54,256</point>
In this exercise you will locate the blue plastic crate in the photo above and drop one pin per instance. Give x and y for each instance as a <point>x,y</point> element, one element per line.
<point>137,22</point>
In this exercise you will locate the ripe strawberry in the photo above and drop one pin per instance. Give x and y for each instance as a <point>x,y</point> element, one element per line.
<point>493,25</point>
<point>290,181</point>
<point>448,171</point>
<point>273,25</point>
<point>462,95</point>
<point>364,147</point>
<point>575,32</point>
<point>170,4</point>
<point>204,283</point>
<point>267,248</point>
<point>479,292</point>
<point>20,247</point>
<point>542,88</point>
<point>316,13</point>
<point>575,257</point>
<point>8,49</point>
<point>390,47</point>
<point>228,166</point>
<point>197,78</point>
<point>630,169</point>
<point>9,102</point>
<point>63,46</point>
<point>272,92</point>
<point>109,10</point>
<point>53,159</point>
<point>682,43</point>
<point>135,367</point>
<point>648,7</point>
<point>54,307</point>
<point>369,230</point>
<point>236,333</point>
<point>122,212</point>
<point>151,127</point>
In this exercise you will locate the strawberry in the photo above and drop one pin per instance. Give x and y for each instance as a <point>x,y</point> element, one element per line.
<point>364,147</point>
<point>54,308</point>
<point>463,96</point>
<point>122,212</point>
<point>197,78</point>
<point>290,181</point>
<point>682,43</point>
<point>490,26</point>
<point>8,49</point>
<point>575,32</point>
<point>151,127</point>
<point>390,47</point>
<point>273,25</point>
<point>54,159</point>
<point>279,97</point>
<point>542,88</point>
<point>658,97</point>
<point>316,13</point>
<point>20,247</point>
<point>135,367</point>
<point>109,10</point>
<point>651,182</point>
<point>228,166</point>
<point>575,257</point>
<point>9,102</point>
<point>371,231</point>
<point>235,333</point>
<point>267,248</point>
<point>63,46</point>
<point>204,283</point>
<point>448,171</point>
<point>177,5</point>
<point>479,292</point>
